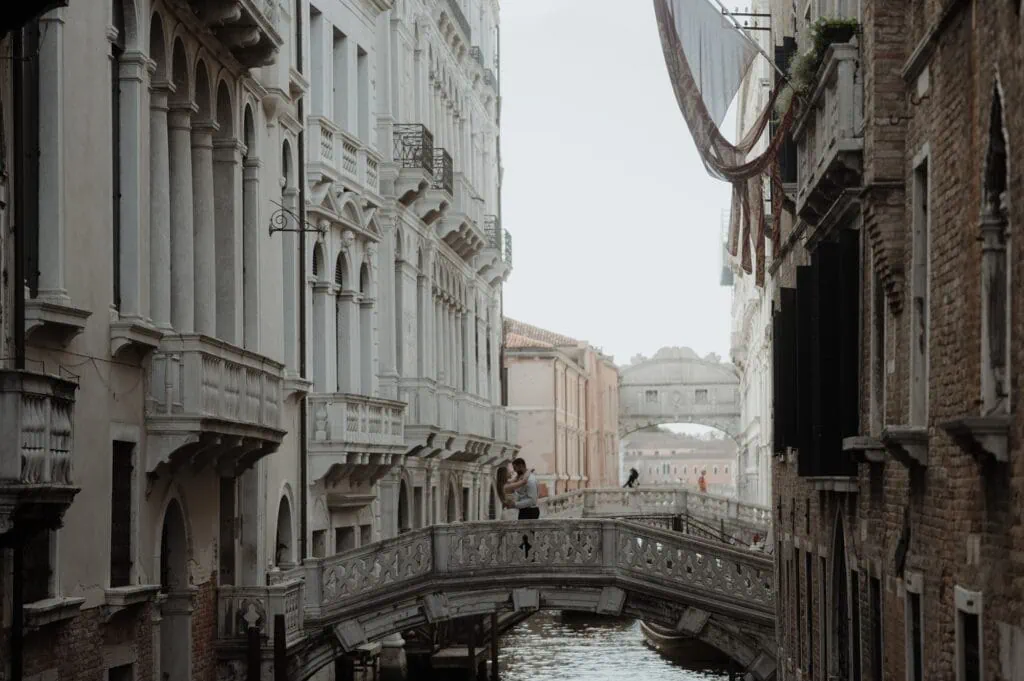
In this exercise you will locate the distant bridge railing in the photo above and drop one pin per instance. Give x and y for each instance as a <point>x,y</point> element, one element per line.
<point>732,517</point>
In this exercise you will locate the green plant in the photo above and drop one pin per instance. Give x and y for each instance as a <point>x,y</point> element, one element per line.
<point>803,68</point>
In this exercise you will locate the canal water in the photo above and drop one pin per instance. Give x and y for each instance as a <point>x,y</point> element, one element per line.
<point>548,647</point>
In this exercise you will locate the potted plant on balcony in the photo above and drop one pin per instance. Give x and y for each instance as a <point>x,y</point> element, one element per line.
<point>803,69</point>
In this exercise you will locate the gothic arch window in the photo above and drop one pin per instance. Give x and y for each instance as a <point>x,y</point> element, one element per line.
<point>995,283</point>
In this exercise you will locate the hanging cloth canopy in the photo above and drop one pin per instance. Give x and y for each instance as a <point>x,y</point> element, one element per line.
<point>694,33</point>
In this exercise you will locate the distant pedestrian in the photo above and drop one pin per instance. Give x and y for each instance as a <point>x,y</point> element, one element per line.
<point>634,475</point>
<point>702,483</point>
<point>526,491</point>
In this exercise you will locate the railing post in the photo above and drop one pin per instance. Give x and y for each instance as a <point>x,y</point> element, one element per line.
<point>440,541</point>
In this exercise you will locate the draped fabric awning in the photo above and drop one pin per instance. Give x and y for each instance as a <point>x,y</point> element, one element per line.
<point>17,13</point>
<point>707,58</point>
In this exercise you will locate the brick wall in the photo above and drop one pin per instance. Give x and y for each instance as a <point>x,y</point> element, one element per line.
<point>204,632</point>
<point>955,504</point>
<point>76,647</point>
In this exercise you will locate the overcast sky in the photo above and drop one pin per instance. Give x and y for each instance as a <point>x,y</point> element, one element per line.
<point>615,225</point>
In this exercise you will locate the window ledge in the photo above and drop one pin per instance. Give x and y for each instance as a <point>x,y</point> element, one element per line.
<point>124,597</point>
<point>296,385</point>
<point>133,333</point>
<point>907,444</point>
<point>865,449</point>
<point>51,610</point>
<point>834,483</point>
<point>57,319</point>
<point>985,437</point>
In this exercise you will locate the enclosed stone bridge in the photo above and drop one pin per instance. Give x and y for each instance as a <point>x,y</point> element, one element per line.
<point>678,386</point>
<point>720,594</point>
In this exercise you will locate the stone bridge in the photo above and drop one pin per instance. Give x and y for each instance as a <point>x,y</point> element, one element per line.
<point>720,594</point>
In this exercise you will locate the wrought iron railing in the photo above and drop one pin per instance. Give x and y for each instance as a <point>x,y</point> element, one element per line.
<point>414,146</point>
<point>460,17</point>
<point>477,54</point>
<point>444,171</point>
<point>507,255</point>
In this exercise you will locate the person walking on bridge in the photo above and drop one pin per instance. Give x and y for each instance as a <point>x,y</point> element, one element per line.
<point>526,492</point>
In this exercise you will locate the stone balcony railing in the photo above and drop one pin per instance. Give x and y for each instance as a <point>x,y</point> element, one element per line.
<point>354,435</point>
<point>462,227</point>
<point>214,401</point>
<point>470,420</point>
<point>36,445</point>
<point>336,155</point>
<point>829,135</point>
<point>240,608</point>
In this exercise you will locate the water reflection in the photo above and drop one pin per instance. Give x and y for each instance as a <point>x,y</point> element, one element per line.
<point>548,648</point>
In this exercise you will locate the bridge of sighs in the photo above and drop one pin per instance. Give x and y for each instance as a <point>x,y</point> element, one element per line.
<point>597,551</point>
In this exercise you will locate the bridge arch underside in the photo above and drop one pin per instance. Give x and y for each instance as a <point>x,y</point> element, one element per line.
<point>728,424</point>
<point>746,637</point>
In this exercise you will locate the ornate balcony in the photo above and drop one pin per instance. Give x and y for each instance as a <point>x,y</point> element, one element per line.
<point>829,137</point>
<point>413,150</point>
<point>240,608</point>
<point>459,18</point>
<point>444,174</point>
<point>248,28</point>
<point>36,416</point>
<point>443,423</point>
<point>460,227</point>
<point>496,263</point>
<point>211,403</point>
<point>354,436</point>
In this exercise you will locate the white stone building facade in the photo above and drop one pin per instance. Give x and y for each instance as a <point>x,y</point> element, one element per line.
<point>752,305</point>
<point>263,309</point>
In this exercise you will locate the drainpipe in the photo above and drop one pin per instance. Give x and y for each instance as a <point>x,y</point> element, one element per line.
<point>502,387</point>
<point>303,405</point>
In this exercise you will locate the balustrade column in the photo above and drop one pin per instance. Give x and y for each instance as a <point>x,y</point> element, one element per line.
<point>204,236</point>
<point>51,155</point>
<point>182,245</point>
<point>159,209</point>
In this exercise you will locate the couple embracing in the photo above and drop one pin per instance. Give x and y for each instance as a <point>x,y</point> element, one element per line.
<point>523,487</point>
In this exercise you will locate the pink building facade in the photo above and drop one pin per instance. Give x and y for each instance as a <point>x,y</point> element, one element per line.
<point>565,392</point>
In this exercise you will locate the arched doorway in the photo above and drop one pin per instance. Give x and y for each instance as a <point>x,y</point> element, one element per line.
<point>284,554</point>
<point>839,631</point>
<point>404,515</point>
<point>452,509</point>
<point>176,627</point>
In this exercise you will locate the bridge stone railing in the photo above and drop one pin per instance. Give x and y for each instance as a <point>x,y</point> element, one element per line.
<point>734,516</point>
<point>482,555</point>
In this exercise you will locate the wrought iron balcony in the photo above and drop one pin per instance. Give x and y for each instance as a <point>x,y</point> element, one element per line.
<point>492,228</point>
<point>460,18</point>
<point>212,403</point>
<point>354,435</point>
<point>414,147</point>
<point>507,254</point>
<point>36,416</point>
<point>829,136</point>
<point>444,171</point>
<point>477,54</point>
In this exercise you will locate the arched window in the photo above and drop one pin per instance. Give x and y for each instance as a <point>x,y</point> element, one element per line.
<point>995,289</point>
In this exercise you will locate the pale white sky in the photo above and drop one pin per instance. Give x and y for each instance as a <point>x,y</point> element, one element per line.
<point>615,225</point>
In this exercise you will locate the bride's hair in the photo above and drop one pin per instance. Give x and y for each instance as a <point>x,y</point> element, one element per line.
<point>501,478</point>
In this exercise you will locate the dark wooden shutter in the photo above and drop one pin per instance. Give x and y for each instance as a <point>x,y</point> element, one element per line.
<point>828,389</point>
<point>121,513</point>
<point>849,364</point>
<point>806,297</point>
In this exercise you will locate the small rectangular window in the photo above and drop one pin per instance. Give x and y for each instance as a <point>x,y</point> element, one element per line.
<point>651,396</point>
<point>365,534</point>
<point>915,650</point>
<point>876,629</point>
<point>123,672</point>
<point>700,396</point>
<point>37,567</point>
<point>969,648</point>
<point>344,539</point>
<point>121,513</point>
<point>319,543</point>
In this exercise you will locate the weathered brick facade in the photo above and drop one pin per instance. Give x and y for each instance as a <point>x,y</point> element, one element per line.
<point>929,70</point>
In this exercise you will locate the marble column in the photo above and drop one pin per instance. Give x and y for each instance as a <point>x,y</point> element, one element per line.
<point>480,356</point>
<point>438,327</point>
<point>348,342</point>
<point>290,311</point>
<point>133,79</point>
<point>159,209</point>
<point>227,167</point>
<point>468,350</point>
<point>182,245</point>
<point>321,296</point>
<point>51,156</point>
<point>250,254</point>
<point>203,229</point>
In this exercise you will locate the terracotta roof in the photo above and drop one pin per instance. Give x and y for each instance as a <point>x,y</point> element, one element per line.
<point>523,335</point>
